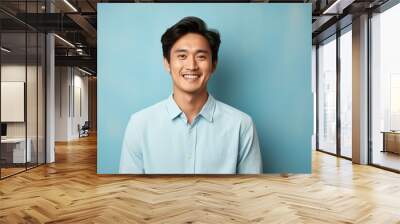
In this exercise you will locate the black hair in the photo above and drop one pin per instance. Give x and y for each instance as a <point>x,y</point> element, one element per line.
<point>187,25</point>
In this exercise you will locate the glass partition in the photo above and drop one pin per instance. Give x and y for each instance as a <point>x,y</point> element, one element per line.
<point>327,95</point>
<point>14,154</point>
<point>31,100</point>
<point>22,77</point>
<point>41,85</point>
<point>346,93</point>
<point>385,89</point>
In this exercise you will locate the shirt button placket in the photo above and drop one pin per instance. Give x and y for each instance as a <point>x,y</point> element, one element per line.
<point>191,149</point>
<point>194,137</point>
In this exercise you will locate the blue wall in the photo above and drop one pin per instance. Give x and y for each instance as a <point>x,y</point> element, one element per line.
<point>264,70</point>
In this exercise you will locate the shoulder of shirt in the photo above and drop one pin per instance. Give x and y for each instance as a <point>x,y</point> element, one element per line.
<point>148,113</point>
<point>234,113</point>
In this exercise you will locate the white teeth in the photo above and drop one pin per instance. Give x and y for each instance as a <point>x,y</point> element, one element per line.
<point>191,76</point>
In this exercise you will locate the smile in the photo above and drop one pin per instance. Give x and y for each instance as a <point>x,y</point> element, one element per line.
<point>191,76</point>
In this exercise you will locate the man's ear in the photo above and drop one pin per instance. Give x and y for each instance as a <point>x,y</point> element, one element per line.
<point>166,65</point>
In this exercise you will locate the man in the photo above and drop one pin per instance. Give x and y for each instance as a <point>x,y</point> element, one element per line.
<point>190,132</point>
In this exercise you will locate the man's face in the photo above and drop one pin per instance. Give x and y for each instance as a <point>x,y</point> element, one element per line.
<point>190,64</point>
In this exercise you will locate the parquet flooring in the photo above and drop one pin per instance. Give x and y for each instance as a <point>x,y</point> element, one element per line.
<point>70,191</point>
<point>10,171</point>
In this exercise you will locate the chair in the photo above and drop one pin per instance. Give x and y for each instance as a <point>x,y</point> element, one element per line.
<point>84,130</point>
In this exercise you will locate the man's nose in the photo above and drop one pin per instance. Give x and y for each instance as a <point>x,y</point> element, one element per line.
<point>192,63</point>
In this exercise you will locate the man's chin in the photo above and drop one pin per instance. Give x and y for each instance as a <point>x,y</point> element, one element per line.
<point>190,88</point>
<point>192,91</point>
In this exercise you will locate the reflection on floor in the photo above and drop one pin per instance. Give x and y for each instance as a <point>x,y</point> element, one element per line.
<point>346,152</point>
<point>386,159</point>
<point>10,169</point>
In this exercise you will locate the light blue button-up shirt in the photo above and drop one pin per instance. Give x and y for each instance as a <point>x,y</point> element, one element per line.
<point>220,140</point>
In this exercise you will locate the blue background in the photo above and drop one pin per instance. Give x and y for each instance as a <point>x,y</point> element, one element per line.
<point>264,70</point>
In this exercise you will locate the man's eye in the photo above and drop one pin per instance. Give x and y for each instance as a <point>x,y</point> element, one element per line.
<point>181,56</point>
<point>202,57</point>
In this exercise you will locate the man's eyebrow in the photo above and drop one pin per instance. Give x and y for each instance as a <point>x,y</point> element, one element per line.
<point>202,51</point>
<point>185,51</point>
<point>180,50</point>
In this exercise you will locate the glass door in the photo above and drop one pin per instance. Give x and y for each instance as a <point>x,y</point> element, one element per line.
<point>327,95</point>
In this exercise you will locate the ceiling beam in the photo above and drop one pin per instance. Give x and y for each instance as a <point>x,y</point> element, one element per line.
<point>86,26</point>
<point>85,61</point>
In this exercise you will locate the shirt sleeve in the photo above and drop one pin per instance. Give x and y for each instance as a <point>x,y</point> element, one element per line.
<point>249,155</point>
<point>131,161</point>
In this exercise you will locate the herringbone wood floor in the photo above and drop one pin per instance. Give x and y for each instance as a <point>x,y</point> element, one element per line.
<point>70,191</point>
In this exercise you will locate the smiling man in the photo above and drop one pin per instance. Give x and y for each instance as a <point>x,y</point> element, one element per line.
<point>190,132</point>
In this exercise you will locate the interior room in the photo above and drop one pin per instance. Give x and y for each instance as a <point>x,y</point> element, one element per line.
<point>49,72</point>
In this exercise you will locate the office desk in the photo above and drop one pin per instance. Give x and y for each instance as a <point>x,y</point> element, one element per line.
<point>391,141</point>
<point>16,147</point>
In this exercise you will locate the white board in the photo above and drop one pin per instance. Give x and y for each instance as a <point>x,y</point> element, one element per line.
<point>12,101</point>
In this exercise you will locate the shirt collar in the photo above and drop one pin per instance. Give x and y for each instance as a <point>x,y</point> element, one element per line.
<point>173,109</point>
<point>207,111</point>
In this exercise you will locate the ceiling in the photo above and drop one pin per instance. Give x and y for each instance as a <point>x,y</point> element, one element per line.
<point>76,22</point>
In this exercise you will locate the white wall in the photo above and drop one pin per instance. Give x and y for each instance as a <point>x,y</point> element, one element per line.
<point>10,73</point>
<point>62,81</point>
<point>80,105</point>
<point>33,127</point>
<point>71,102</point>
<point>16,72</point>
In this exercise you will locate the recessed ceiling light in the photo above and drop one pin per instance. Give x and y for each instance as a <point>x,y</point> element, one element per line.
<point>337,7</point>
<point>71,6</point>
<point>65,41</point>
<point>84,71</point>
<point>5,50</point>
